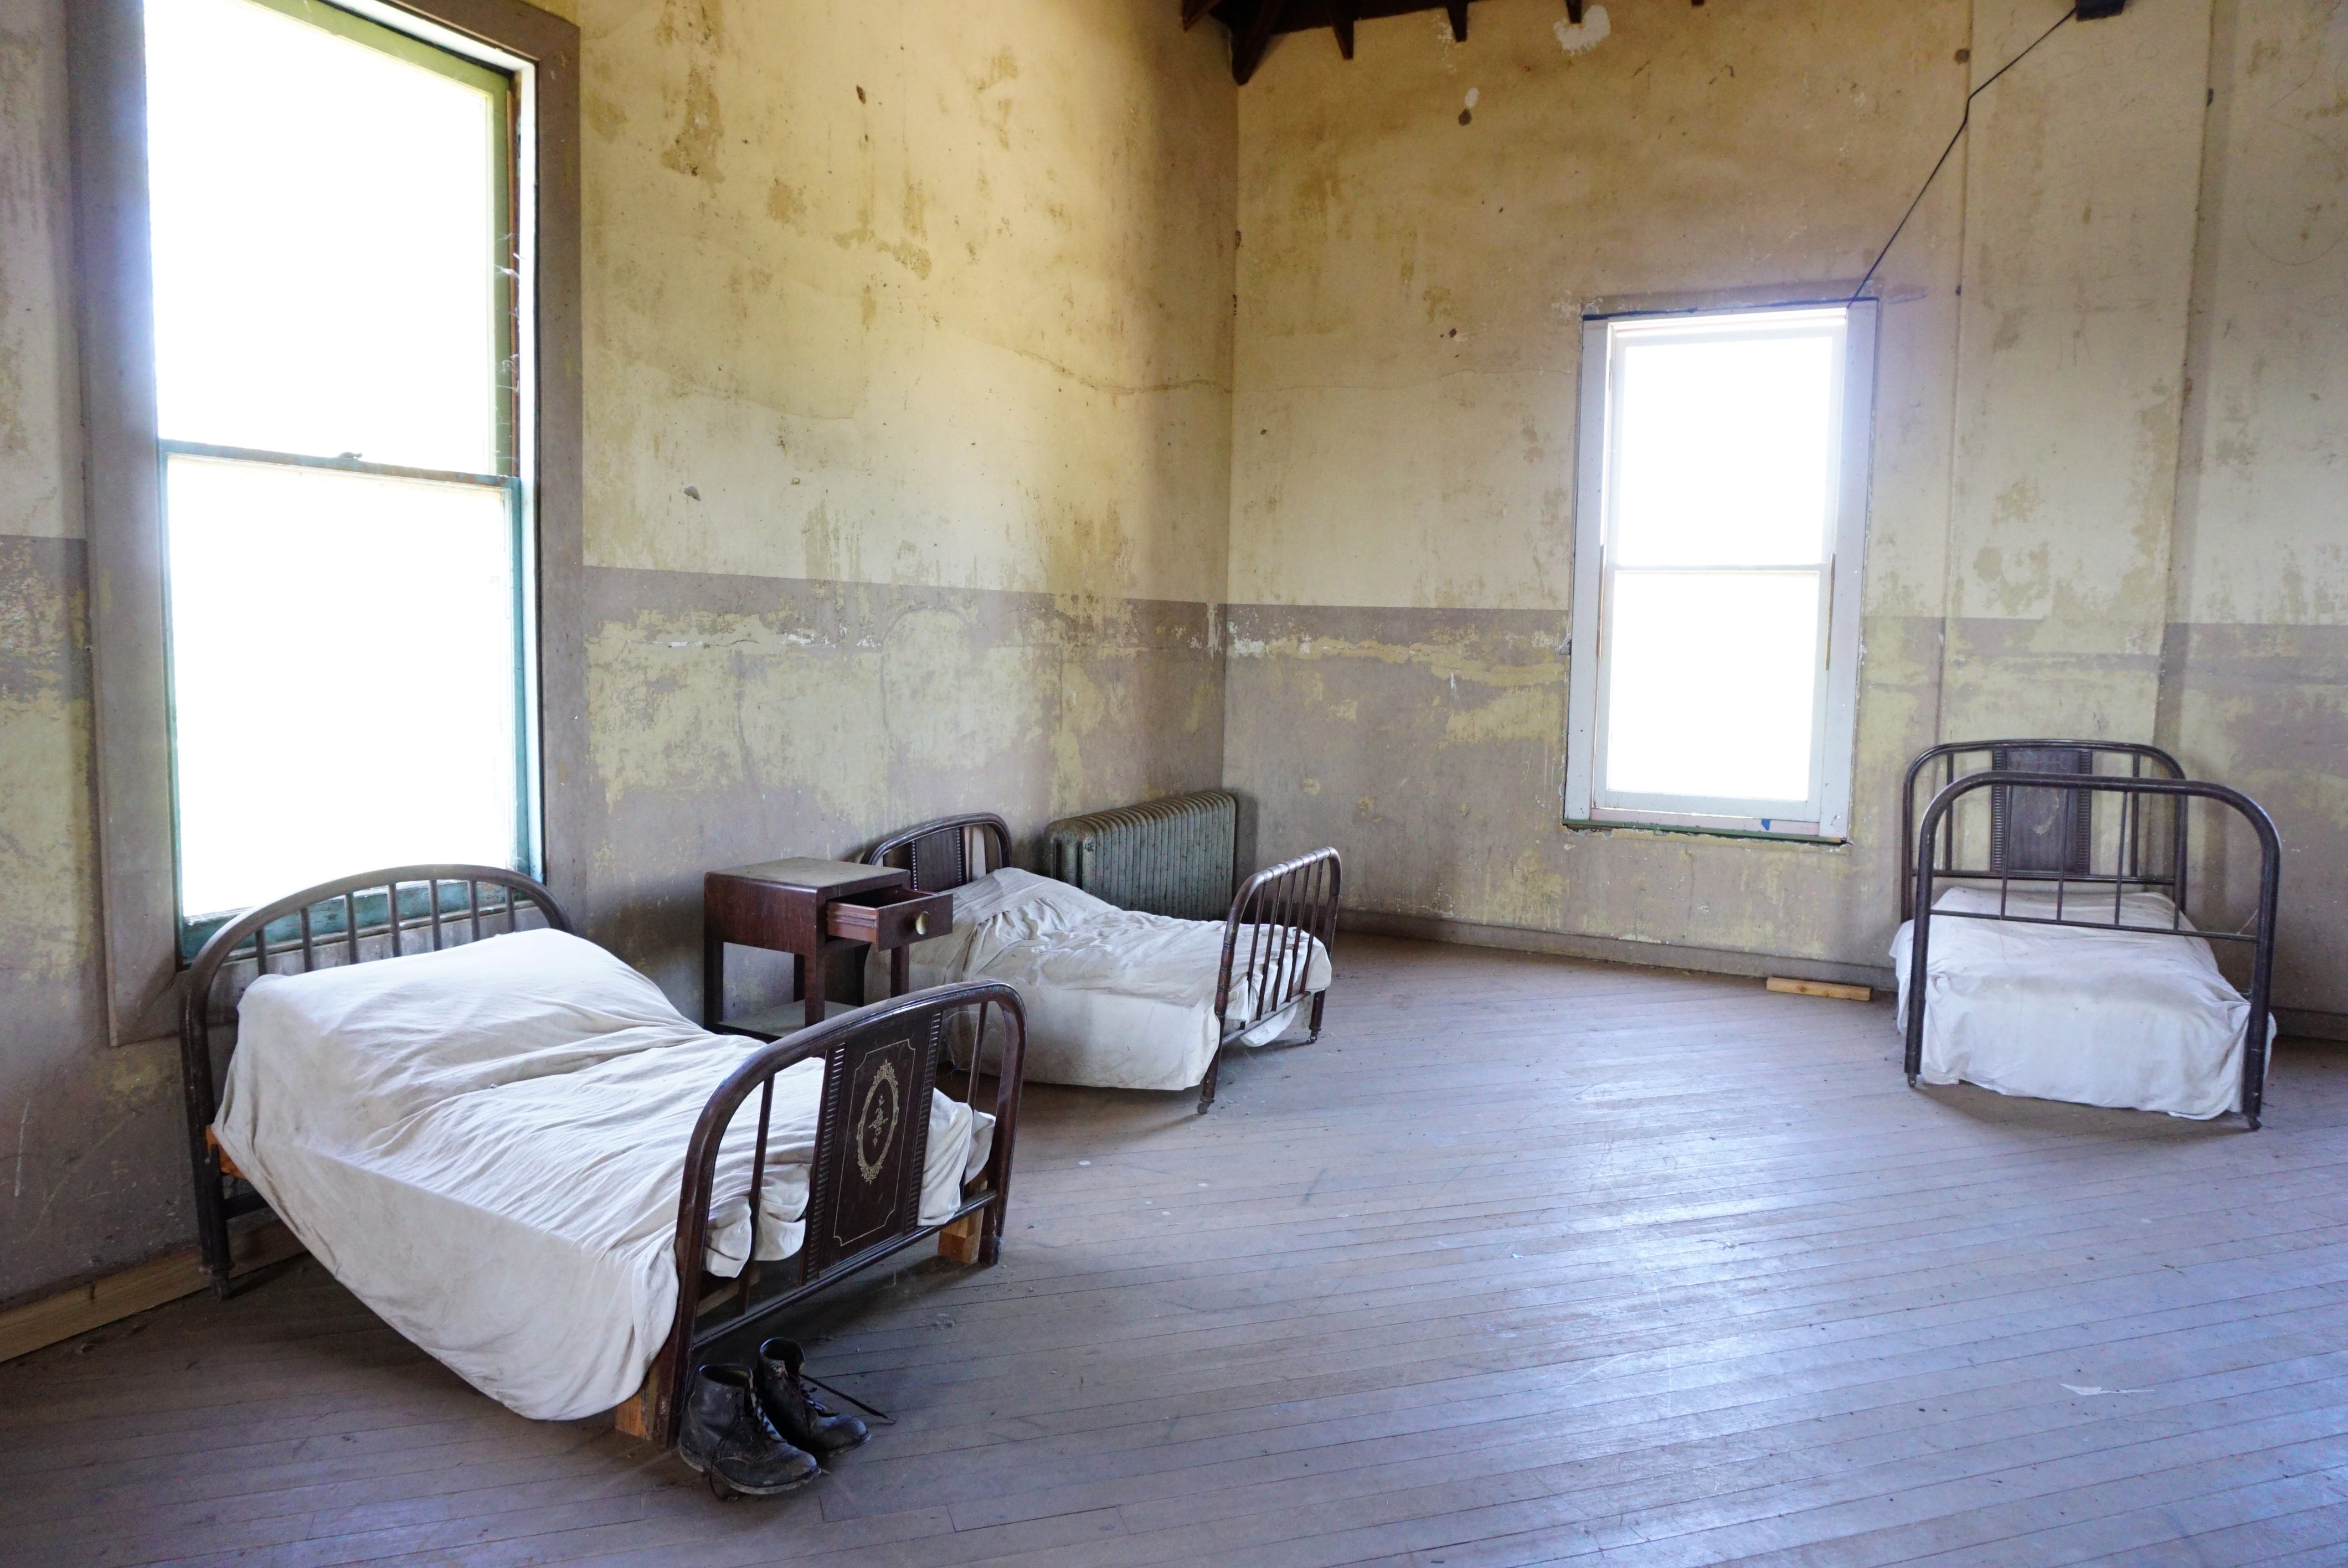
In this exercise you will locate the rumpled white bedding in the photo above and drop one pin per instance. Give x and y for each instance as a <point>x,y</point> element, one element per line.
<point>486,1145</point>
<point>2098,1018</point>
<point>1116,999</point>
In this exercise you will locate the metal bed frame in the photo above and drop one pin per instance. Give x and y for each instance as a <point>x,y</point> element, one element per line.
<point>865,1186</point>
<point>1283,909</point>
<point>2042,830</point>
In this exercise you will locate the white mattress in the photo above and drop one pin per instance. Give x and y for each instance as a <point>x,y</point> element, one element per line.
<point>1116,999</point>
<point>485,1146</point>
<point>2098,1018</point>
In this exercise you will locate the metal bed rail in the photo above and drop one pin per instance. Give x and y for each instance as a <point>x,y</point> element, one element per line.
<point>938,853</point>
<point>423,908</point>
<point>2009,757</point>
<point>1284,910</point>
<point>1930,846</point>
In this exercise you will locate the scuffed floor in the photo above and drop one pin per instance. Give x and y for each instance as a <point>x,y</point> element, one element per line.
<point>1528,1260</point>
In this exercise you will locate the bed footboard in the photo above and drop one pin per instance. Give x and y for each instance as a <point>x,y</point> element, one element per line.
<point>1269,936</point>
<point>2102,859</point>
<point>864,1194</point>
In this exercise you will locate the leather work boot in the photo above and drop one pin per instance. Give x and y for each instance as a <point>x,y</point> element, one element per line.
<point>804,1418</point>
<point>726,1436</point>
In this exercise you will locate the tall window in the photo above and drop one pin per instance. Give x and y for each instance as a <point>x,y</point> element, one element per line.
<point>339,384</point>
<point>1715,627</point>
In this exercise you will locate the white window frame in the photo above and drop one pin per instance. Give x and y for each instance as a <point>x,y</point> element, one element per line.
<point>1826,815</point>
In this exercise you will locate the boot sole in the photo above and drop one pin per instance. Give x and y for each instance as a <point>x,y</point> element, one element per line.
<point>725,1487</point>
<point>726,1491</point>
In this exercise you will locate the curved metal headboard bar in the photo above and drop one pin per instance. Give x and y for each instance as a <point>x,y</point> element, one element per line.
<point>994,826</point>
<point>251,929</point>
<point>1958,748</point>
<point>1918,874</point>
<point>220,951</point>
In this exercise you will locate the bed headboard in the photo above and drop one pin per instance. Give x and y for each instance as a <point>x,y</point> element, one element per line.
<point>941,855</point>
<point>2035,830</point>
<point>350,920</point>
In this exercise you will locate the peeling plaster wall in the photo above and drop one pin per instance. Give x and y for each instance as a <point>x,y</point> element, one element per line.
<point>2256,662</point>
<point>2061,540</point>
<point>909,339</point>
<point>908,371</point>
<point>1411,295</point>
<point>92,1171</point>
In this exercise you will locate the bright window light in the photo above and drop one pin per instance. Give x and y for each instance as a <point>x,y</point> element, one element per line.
<point>1717,521</point>
<point>338,645</point>
<point>334,292</point>
<point>325,219</point>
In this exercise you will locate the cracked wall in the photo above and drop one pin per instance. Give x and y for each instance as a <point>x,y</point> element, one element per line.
<point>2107,495</point>
<point>908,336</point>
<point>1412,283</point>
<point>92,1157</point>
<point>909,340</point>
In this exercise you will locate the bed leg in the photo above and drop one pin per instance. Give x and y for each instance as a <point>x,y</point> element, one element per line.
<point>1206,1084</point>
<point>1320,999</point>
<point>1911,1081</point>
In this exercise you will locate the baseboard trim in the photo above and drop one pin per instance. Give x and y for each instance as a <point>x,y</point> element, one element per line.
<point>38,1324</point>
<point>2306,1023</point>
<point>1614,949</point>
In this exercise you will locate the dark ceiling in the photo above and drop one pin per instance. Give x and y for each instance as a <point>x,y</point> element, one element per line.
<point>1253,22</point>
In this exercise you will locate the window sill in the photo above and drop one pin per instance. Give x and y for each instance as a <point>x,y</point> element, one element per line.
<point>1690,830</point>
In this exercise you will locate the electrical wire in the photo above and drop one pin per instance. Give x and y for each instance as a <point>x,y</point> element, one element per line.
<point>1963,121</point>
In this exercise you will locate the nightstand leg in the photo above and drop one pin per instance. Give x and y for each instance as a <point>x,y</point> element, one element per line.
<point>713,981</point>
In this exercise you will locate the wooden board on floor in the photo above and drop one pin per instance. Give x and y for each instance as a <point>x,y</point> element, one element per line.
<point>39,1324</point>
<point>1527,1260</point>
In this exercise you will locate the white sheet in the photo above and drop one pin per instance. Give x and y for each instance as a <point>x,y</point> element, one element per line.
<point>485,1144</point>
<point>1116,999</point>
<point>2099,1017</point>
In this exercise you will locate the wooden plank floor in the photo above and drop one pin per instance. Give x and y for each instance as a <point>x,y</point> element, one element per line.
<point>1526,1261</point>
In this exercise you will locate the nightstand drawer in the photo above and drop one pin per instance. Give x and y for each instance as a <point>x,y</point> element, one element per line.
<point>889,918</point>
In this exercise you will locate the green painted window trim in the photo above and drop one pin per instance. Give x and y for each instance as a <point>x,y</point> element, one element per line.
<point>1578,825</point>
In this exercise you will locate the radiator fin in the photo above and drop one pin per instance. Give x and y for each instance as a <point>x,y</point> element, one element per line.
<point>1170,856</point>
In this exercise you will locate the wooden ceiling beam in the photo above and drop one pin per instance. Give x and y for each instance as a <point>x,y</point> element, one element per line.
<point>1573,12</point>
<point>1247,49</point>
<point>1194,9</point>
<point>1340,22</point>
<point>1458,10</point>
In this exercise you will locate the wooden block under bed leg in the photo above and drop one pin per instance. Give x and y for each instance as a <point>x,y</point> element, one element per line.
<point>959,1242</point>
<point>633,1417</point>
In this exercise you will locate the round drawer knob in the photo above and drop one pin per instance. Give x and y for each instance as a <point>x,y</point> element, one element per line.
<point>921,924</point>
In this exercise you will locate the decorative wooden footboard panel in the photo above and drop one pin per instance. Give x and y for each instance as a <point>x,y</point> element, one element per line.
<point>864,1197</point>
<point>1280,915</point>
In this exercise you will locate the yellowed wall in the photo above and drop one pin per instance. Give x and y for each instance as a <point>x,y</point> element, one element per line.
<point>925,449</point>
<point>2060,539</point>
<point>1411,296</point>
<point>909,339</point>
<point>908,369</point>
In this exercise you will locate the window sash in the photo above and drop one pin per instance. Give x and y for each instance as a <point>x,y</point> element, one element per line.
<point>106,103</point>
<point>195,928</point>
<point>1824,813</point>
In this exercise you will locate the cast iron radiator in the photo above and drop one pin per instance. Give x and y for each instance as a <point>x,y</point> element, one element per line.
<point>1171,856</point>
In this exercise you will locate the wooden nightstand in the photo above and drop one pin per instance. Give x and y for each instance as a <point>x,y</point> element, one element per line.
<point>813,910</point>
